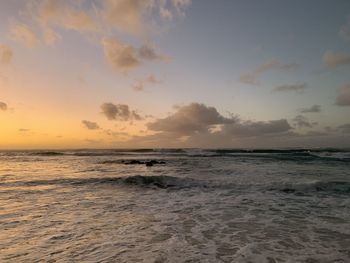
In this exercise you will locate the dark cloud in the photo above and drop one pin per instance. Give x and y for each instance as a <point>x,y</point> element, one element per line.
<point>90,125</point>
<point>3,106</point>
<point>291,87</point>
<point>343,98</point>
<point>334,60</point>
<point>189,119</point>
<point>119,112</point>
<point>315,134</point>
<point>198,125</point>
<point>312,109</point>
<point>200,121</point>
<point>302,122</point>
<point>345,128</point>
<point>256,128</point>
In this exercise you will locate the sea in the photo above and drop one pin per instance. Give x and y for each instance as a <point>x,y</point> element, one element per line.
<point>175,205</point>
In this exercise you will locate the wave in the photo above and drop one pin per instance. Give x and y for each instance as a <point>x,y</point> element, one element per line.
<point>161,181</point>
<point>302,154</point>
<point>47,153</point>
<point>330,187</point>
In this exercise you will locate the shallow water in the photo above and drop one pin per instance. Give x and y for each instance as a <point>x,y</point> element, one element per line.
<point>200,206</point>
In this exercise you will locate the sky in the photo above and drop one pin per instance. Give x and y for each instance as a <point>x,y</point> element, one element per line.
<point>174,73</point>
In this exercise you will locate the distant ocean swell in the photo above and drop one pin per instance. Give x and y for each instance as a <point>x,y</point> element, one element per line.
<point>272,154</point>
<point>175,183</point>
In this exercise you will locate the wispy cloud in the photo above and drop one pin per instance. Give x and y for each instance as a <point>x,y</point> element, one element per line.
<point>140,84</point>
<point>252,77</point>
<point>42,20</point>
<point>343,97</point>
<point>3,106</point>
<point>333,60</point>
<point>345,128</point>
<point>134,17</point>
<point>299,88</point>
<point>68,15</point>
<point>25,34</point>
<point>312,109</point>
<point>344,31</point>
<point>127,15</point>
<point>6,55</point>
<point>301,121</point>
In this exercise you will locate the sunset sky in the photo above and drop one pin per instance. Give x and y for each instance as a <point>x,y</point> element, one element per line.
<point>174,73</point>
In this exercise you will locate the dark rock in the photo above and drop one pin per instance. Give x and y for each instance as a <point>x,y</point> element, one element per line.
<point>133,162</point>
<point>288,190</point>
<point>150,163</point>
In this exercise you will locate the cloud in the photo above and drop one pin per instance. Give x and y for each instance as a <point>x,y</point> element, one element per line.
<point>23,33</point>
<point>302,122</point>
<point>46,16</point>
<point>200,121</point>
<point>344,31</point>
<point>314,134</point>
<point>23,130</point>
<point>345,128</point>
<point>299,88</point>
<point>256,128</point>
<point>343,97</point>
<point>252,77</point>
<point>312,109</point>
<point>90,125</point>
<point>181,5</point>
<point>189,119</point>
<point>140,84</point>
<point>121,57</point>
<point>133,16</point>
<point>333,60</point>
<point>119,112</point>
<point>249,78</point>
<point>147,52</point>
<point>199,125</point>
<point>124,58</point>
<point>6,55</point>
<point>60,14</point>
<point>3,106</point>
<point>127,15</point>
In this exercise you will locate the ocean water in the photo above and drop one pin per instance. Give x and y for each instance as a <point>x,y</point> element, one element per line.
<point>191,206</point>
